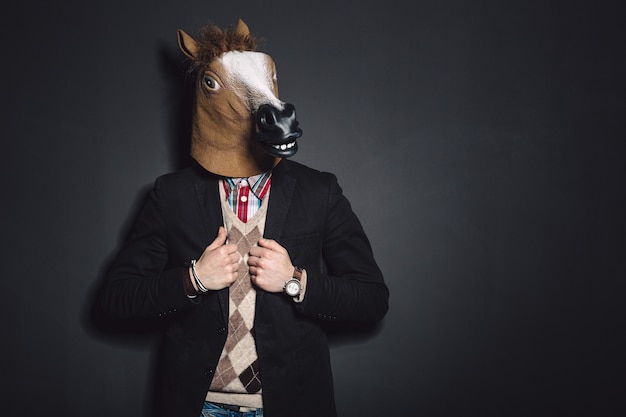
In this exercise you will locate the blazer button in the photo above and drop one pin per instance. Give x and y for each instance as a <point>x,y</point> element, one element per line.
<point>222,330</point>
<point>208,372</point>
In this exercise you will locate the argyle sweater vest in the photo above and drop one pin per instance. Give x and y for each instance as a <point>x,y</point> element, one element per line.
<point>237,380</point>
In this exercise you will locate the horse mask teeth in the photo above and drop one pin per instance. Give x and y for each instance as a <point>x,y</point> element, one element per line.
<point>240,127</point>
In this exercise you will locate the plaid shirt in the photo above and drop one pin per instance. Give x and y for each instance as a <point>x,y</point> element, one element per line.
<point>245,195</point>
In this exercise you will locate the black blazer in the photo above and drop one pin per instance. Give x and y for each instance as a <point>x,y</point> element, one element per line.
<point>311,218</point>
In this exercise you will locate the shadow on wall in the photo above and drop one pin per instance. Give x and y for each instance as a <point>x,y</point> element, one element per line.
<point>180,101</point>
<point>139,334</point>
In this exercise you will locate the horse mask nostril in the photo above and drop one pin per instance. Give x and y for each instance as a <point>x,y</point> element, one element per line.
<point>267,117</point>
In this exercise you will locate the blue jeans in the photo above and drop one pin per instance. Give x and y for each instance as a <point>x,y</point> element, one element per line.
<point>212,410</point>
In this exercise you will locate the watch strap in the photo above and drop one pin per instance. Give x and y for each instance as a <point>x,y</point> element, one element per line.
<point>297,273</point>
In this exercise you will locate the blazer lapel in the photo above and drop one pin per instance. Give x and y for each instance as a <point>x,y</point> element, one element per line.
<point>210,208</point>
<point>280,199</point>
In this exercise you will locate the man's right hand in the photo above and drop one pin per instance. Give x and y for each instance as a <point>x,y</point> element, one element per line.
<point>218,266</point>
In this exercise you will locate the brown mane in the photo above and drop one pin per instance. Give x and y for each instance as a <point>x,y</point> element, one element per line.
<point>213,41</point>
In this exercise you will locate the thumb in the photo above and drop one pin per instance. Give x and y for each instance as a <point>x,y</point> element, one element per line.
<point>219,240</point>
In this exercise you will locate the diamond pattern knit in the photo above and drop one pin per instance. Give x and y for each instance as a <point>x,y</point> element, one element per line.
<point>238,369</point>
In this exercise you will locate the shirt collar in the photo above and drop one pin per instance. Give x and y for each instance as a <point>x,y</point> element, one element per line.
<point>258,183</point>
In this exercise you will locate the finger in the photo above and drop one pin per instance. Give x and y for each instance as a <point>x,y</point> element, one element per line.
<point>258,263</point>
<point>219,240</point>
<point>230,248</point>
<point>253,260</point>
<point>234,258</point>
<point>272,245</point>
<point>256,251</point>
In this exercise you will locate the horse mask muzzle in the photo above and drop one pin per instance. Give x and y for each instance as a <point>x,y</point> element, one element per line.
<point>277,130</point>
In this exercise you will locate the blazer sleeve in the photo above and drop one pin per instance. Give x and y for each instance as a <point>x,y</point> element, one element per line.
<point>137,284</point>
<point>350,286</point>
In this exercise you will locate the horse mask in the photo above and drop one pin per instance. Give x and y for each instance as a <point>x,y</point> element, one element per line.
<point>239,126</point>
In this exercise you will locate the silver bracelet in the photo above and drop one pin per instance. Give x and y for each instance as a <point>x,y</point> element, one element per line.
<point>201,287</point>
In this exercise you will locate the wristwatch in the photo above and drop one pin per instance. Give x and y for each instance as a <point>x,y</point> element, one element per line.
<point>293,286</point>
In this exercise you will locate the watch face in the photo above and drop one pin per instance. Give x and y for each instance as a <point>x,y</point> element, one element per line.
<point>292,288</point>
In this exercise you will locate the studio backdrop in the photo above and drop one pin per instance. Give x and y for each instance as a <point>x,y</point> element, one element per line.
<point>480,143</point>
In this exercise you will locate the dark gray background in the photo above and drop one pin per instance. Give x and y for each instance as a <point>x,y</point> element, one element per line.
<point>480,142</point>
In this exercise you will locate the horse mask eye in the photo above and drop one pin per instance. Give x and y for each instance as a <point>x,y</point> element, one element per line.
<point>210,82</point>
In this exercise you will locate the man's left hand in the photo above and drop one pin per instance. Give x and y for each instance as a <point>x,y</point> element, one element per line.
<point>270,265</point>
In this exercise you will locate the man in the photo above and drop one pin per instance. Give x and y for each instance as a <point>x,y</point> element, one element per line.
<point>246,253</point>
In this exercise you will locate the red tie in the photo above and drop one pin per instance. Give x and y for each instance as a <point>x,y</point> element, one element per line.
<point>242,200</point>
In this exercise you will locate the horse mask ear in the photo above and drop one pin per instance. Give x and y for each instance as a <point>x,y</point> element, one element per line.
<point>187,44</point>
<point>242,29</point>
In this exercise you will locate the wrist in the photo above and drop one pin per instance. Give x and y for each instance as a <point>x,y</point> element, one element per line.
<point>196,280</point>
<point>189,283</point>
